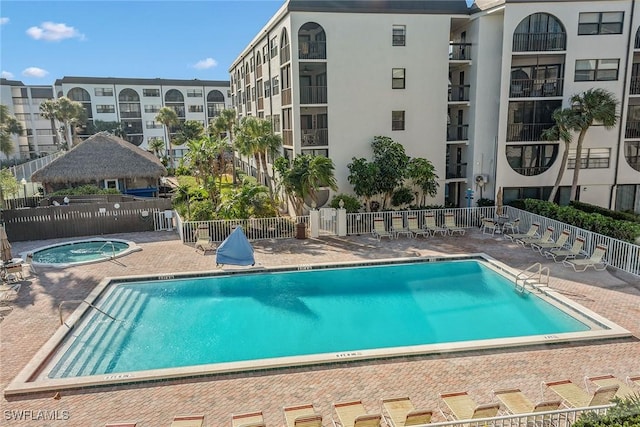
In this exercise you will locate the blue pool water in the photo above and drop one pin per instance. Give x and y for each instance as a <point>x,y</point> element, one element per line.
<point>240,317</point>
<point>79,252</point>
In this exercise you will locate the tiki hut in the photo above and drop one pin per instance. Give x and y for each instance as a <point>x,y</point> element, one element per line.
<point>106,161</point>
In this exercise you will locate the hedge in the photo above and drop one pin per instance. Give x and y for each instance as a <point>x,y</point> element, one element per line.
<point>623,216</point>
<point>626,413</point>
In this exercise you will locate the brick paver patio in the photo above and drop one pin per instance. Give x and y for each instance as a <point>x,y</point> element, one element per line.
<point>34,319</point>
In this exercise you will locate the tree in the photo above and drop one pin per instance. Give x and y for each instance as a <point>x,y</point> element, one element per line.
<point>226,122</point>
<point>423,174</point>
<point>8,184</point>
<point>207,158</point>
<point>248,200</point>
<point>189,130</point>
<point>561,131</point>
<point>114,128</point>
<point>69,113</point>
<point>391,160</point>
<point>8,126</point>
<point>48,111</point>
<point>363,175</point>
<point>156,146</point>
<point>168,117</point>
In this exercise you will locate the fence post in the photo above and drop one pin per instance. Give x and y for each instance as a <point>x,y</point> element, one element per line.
<point>341,226</point>
<point>314,222</point>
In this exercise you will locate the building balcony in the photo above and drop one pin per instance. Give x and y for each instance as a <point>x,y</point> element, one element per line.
<point>457,132</point>
<point>312,49</point>
<point>285,96</point>
<point>130,114</point>
<point>259,71</point>
<point>460,51</point>
<point>260,103</point>
<point>635,85</point>
<point>313,95</point>
<point>528,88</point>
<point>315,137</point>
<point>539,42</point>
<point>632,130</point>
<point>287,137</point>
<point>526,131</point>
<point>456,171</point>
<point>285,54</point>
<point>459,93</point>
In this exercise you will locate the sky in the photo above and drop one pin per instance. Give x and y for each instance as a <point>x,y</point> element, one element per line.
<point>41,41</point>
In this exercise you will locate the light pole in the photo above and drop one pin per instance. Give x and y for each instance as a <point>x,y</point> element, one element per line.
<point>24,189</point>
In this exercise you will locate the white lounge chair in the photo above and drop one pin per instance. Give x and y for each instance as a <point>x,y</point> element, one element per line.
<point>430,224</point>
<point>533,232</point>
<point>558,244</point>
<point>203,241</point>
<point>545,238</point>
<point>379,229</point>
<point>353,414</point>
<point>575,397</point>
<point>400,412</point>
<point>489,226</point>
<point>560,255</point>
<point>451,226</point>
<point>595,261</point>
<point>462,407</point>
<point>514,226</point>
<point>517,402</point>
<point>414,227</point>
<point>398,228</point>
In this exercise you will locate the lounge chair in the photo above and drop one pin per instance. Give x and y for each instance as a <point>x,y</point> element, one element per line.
<point>379,230</point>
<point>413,227</point>
<point>533,232</point>
<point>188,421</point>
<point>463,407</point>
<point>249,419</point>
<point>398,228</point>
<point>430,224</point>
<point>545,238</point>
<point>451,226</point>
<point>608,380</point>
<point>514,226</point>
<point>517,402</point>
<point>9,292</point>
<point>353,414</point>
<point>634,380</point>
<point>400,412</point>
<point>558,244</point>
<point>575,397</point>
<point>302,416</point>
<point>489,225</point>
<point>203,241</point>
<point>560,255</point>
<point>594,261</point>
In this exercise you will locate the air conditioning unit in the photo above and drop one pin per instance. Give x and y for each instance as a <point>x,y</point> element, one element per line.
<point>481,179</point>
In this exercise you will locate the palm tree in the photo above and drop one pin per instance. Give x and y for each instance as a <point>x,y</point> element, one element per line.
<point>319,174</point>
<point>70,113</point>
<point>247,136</point>
<point>226,122</point>
<point>8,126</point>
<point>561,131</point>
<point>168,117</point>
<point>156,146</point>
<point>48,111</point>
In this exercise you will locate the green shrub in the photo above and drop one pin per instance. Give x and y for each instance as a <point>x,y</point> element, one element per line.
<point>351,203</point>
<point>626,413</point>
<point>402,196</point>
<point>201,210</point>
<point>485,202</point>
<point>84,190</point>
<point>623,216</point>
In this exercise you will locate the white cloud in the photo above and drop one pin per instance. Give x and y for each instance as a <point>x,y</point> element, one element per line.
<point>6,75</point>
<point>34,72</point>
<point>4,20</point>
<point>205,63</point>
<point>52,32</point>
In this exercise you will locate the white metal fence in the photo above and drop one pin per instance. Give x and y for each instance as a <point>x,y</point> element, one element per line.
<point>25,170</point>
<point>254,228</point>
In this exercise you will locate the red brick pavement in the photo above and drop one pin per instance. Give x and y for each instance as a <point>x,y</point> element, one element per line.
<point>35,318</point>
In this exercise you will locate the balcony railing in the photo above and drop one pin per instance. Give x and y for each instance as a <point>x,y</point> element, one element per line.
<point>459,51</point>
<point>315,137</point>
<point>287,137</point>
<point>285,96</point>
<point>456,170</point>
<point>130,114</point>
<point>285,54</point>
<point>635,85</point>
<point>632,129</point>
<point>459,92</point>
<point>524,88</point>
<point>539,42</point>
<point>313,95</point>
<point>531,171</point>
<point>457,132</point>
<point>312,50</point>
<point>526,131</point>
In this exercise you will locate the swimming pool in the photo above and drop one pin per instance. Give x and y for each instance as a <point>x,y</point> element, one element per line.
<point>80,252</point>
<point>234,321</point>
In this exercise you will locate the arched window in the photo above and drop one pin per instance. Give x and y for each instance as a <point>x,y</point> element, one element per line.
<point>632,154</point>
<point>539,32</point>
<point>312,42</point>
<point>215,103</point>
<point>79,94</point>
<point>174,95</point>
<point>530,160</point>
<point>131,115</point>
<point>128,95</point>
<point>285,51</point>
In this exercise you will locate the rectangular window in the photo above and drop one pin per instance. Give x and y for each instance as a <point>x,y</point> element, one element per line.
<point>275,86</point>
<point>316,153</point>
<point>194,93</point>
<point>150,92</point>
<point>105,109</point>
<point>153,125</point>
<point>44,132</point>
<point>265,53</point>
<point>267,89</point>
<point>397,81</point>
<point>591,158</point>
<point>397,120</point>
<point>276,123</point>
<point>399,35</point>
<point>590,23</point>
<point>151,108</point>
<point>596,69</point>
<point>274,47</point>
<point>103,91</point>
<point>196,108</point>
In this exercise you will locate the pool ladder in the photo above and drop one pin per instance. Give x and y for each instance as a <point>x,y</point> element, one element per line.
<point>113,248</point>
<point>78,301</point>
<point>532,278</point>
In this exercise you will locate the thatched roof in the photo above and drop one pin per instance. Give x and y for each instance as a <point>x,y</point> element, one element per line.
<point>101,156</point>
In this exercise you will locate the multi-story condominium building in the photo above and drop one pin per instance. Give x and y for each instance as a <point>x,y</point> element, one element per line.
<point>23,103</point>
<point>469,88</point>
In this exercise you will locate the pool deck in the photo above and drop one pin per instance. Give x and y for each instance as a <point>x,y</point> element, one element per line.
<point>34,319</point>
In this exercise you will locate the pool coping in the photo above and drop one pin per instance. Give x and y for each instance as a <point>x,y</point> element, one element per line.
<point>133,247</point>
<point>30,379</point>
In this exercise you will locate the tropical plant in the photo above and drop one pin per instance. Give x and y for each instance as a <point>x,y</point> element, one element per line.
<point>625,413</point>
<point>392,162</point>
<point>156,146</point>
<point>8,185</point>
<point>70,113</point>
<point>248,200</point>
<point>84,190</point>
<point>560,131</point>
<point>363,175</point>
<point>351,204</point>
<point>48,111</point>
<point>114,128</point>
<point>9,126</point>
<point>168,117</point>
<point>402,196</point>
<point>207,158</point>
<point>423,174</point>
<point>226,123</point>
<point>188,131</point>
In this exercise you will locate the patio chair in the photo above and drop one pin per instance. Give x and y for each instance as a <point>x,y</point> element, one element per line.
<point>533,232</point>
<point>545,238</point>
<point>516,402</point>
<point>9,292</point>
<point>379,230</point>
<point>594,261</point>
<point>608,380</point>
<point>451,226</point>
<point>514,226</point>
<point>188,421</point>
<point>203,241</point>
<point>558,244</point>
<point>560,255</point>
<point>489,226</point>
<point>430,224</point>
<point>462,407</point>
<point>400,412</point>
<point>413,227</point>
<point>353,414</point>
<point>302,416</point>
<point>249,419</point>
<point>575,397</point>
<point>398,228</point>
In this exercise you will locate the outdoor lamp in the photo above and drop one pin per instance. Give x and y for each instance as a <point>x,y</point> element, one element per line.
<point>24,188</point>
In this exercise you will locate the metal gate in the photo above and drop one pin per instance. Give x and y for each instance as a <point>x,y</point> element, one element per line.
<point>328,224</point>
